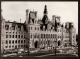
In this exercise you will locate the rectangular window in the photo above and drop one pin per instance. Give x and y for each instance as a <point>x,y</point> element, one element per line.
<point>18,45</point>
<point>35,28</point>
<point>18,36</point>
<point>21,36</point>
<point>12,36</point>
<point>9,36</point>
<point>21,41</point>
<point>21,45</point>
<point>6,36</point>
<point>24,41</point>
<point>6,32</point>
<point>53,35</point>
<point>6,46</point>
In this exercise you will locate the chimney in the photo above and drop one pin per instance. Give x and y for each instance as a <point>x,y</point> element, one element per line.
<point>20,20</point>
<point>27,19</point>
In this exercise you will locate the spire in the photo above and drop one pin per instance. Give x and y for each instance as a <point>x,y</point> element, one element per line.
<point>45,9</point>
<point>45,17</point>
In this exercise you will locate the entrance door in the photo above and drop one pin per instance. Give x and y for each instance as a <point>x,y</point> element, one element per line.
<point>36,44</point>
<point>59,43</point>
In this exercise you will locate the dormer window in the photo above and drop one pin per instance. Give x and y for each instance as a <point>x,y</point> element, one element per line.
<point>7,27</point>
<point>22,28</point>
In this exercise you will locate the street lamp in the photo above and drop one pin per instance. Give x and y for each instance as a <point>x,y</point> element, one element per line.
<point>55,44</point>
<point>28,46</point>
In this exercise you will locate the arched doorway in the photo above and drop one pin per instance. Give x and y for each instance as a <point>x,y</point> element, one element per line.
<point>59,43</point>
<point>36,44</point>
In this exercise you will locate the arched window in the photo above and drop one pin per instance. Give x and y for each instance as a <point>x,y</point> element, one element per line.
<point>13,42</point>
<point>16,41</point>
<point>9,41</point>
<point>21,41</point>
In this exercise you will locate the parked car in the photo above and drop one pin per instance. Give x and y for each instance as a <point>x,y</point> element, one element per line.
<point>25,51</point>
<point>20,50</point>
<point>70,51</point>
<point>34,51</point>
<point>61,51</point>
<point>12,54</point>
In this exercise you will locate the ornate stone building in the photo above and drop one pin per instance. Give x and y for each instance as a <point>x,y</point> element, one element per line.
<point>38,33</point>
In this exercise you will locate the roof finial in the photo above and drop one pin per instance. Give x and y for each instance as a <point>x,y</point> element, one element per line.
<point>20,20</point>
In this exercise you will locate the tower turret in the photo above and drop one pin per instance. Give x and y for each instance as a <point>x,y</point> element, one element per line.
<point>45,17</point>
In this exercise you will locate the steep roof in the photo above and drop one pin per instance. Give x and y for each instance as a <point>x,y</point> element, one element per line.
<point>18,24</point>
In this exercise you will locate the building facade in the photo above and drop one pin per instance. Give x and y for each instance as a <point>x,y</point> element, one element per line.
<point>37,33</point>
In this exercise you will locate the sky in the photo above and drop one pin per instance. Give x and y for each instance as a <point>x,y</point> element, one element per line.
<point>14,11</point>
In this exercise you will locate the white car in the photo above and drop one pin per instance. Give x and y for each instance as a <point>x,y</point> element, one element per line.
<point>26,51</point>
<point>60,51</point>
<point>33,51</point>
<point>20,56</point>
<point>12,54</point>
<point>70,51</point>
<point>19,52</point>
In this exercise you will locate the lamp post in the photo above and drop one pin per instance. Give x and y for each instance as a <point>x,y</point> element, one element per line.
<point>55,44</point>
<point>28,46</point>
